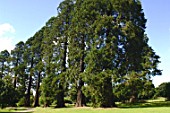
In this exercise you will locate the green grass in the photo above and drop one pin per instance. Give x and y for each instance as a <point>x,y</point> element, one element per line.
<point>101,110</point>
<point>149,106</point>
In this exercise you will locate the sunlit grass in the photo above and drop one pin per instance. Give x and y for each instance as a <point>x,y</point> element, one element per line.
<point>149,106</point>
<point>159,102</point>
<point>159,99</point>
<point>102,110</point>
<point>99,110</point>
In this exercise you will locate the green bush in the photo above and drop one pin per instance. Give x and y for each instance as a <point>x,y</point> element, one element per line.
<point>21,102</point>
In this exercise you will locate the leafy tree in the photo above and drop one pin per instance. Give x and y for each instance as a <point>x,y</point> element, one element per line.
<point>134,89</point>
<point>8,94</point>
<point>163,90</point>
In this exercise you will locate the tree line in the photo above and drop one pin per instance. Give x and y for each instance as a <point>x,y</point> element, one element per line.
<point>93,51</point>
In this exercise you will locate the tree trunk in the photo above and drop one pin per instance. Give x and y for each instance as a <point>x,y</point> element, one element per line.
<point>15,80</point>
<point>28,92</point>
<point>80,96</point>
<point>132,99</point>
<point>36,100</point>
<point>108,98</point>
<point>60,95</point>
<point>29,86</point>
<point>60,98</point>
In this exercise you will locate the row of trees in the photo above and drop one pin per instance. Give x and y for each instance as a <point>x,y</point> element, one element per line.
<point>92,51</point>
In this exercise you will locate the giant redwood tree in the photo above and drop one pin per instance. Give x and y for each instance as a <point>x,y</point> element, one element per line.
<point>108,43</point>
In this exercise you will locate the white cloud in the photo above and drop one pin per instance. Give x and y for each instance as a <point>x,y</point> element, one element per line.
<point>6,36</point>
<point>6,28</point>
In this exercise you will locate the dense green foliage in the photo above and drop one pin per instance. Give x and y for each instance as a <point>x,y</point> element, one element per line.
<point>93,51</point>
<point>163,90</point>
<point>8,95</point>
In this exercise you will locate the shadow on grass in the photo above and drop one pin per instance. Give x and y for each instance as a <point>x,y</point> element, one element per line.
<point>145,104</point>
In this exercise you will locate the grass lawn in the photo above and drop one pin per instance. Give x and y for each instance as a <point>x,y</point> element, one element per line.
<point>150,106</point>
<point>101,110</point>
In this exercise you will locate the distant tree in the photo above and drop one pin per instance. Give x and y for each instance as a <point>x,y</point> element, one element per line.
<point>163,90</point>
<point>134,89</point>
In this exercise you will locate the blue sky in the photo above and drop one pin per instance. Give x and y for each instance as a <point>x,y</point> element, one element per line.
<point>25,17</point>
<point>158,30</point>
<point>20,19</point>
